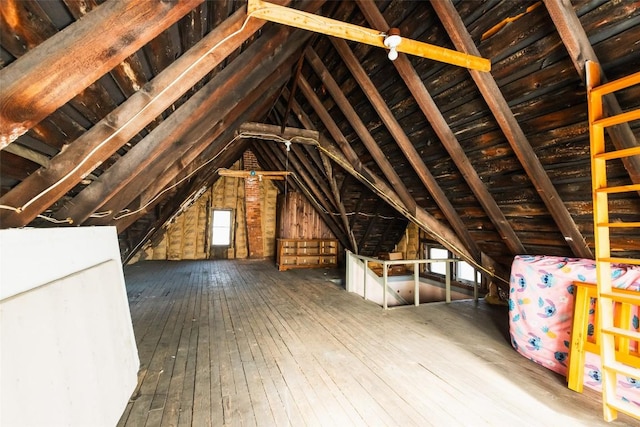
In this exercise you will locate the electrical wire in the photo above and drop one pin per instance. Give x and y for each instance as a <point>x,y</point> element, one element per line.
<point>147,106</point>
<point>126,213</point>
<point>123,214</point>
<point>46,218</point>
<point>135,116</point>
<point>101,214</point>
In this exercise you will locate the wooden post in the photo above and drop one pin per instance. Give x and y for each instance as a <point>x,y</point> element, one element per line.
<point>384,285</point>
<point>447,283</point>
<point>365,269</point>
<point>475,284</point>
<point>416,284</point>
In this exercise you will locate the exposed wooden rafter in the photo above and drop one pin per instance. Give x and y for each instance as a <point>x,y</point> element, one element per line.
<point>580,50</point>
<point>407,147</point>
<point>477,160</point>
<point>460,37</point>
<point>356,123</point>
<point>269,74</point>
<point>43,188</point>
<point>170,200</point>
<point>447,138</point>
<point>326,166</point>
<point>65,64</point>
<point>418,215</point>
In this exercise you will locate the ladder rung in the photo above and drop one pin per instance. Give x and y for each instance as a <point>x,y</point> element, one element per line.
<point>621,332</point>
<point>618,154</point>
<point>617,85</point>
<point>620,260</point>
<point>619,189</point>
<point>619,293</point>
<point>618,119</point>
<point>626,370</point>
<point>619,224</point>
<point>625,407</point>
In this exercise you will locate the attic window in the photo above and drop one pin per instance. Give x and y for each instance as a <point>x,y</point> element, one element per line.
<point>466,272</point>
<point>221,227</point>
<point>438,267</point>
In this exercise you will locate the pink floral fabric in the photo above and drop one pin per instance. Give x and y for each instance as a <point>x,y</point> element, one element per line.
<point>541,301</point>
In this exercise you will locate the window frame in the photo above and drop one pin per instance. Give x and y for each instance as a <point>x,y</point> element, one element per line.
<point>228,227</point>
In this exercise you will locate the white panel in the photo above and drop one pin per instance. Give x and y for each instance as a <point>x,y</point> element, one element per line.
<point>31,257</point>
<point>68,353</point>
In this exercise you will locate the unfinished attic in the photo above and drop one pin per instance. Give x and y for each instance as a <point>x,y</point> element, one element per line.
<point>211,212</point>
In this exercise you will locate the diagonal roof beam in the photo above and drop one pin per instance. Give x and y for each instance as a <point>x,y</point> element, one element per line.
<point>336,194</point>
<point>380,188</point>
<point>356,123</point>
<point>51,74</point>
<point>446,136</point>
<point>303,163</point>
<point>135,242</point>
<point>175,191</point>
<point>201,110</point>
<point>328,169</point>
<point>310,151</point>
<point>460,37</point>
<point>217,110</point>
<point>409,151</point>
<point>41,189</point>
<point>580,50</point>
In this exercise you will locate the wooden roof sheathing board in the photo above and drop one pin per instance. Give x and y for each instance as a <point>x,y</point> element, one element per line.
<point>493,164</point>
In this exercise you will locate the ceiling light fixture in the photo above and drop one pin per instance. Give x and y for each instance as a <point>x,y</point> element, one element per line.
<point>392,41</point>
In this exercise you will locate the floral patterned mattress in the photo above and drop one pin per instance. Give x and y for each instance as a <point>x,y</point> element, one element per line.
<point>541,300</point>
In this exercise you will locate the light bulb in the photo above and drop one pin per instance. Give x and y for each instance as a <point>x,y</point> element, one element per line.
<point>392,40</point>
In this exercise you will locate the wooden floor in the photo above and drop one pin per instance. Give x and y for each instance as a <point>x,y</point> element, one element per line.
<point>239,343</point>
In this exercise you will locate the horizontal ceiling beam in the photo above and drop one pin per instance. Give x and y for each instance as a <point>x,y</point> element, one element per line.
<point>344,30</point>
<point>293,134</point>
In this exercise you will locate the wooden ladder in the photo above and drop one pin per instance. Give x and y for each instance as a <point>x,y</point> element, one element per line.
<point>608,333</point>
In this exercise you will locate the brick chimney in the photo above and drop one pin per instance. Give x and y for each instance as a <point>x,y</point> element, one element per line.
<point>253,207</point>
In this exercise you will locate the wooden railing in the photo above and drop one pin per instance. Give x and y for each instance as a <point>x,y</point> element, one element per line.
<point>355,262</point>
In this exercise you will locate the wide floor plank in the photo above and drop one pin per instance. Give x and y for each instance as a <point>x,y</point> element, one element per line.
<point>238,343</point>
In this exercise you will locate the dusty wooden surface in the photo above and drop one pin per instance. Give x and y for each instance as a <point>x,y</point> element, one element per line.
<point>239,343</point>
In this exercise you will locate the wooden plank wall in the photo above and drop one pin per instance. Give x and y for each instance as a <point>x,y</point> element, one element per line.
<point>187,237</point>
<point>299,220</point>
